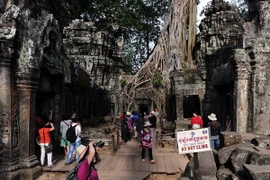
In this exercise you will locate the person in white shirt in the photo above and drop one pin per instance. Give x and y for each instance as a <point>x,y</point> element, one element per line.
<point>77,142</point>
<point>64,125</point>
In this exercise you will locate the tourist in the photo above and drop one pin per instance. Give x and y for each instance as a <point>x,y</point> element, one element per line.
<point>139,125</point>
<point>77,143</point>
<point>130,126</point>
<point>146,140</point>
<point>86,168</point>
<point>196,121</point>
<point>153,120</point>
<point>45,140</point>
<point>215,131</point>
<point>64,125</point>
<point>124,128</point>
<point>134,120</point>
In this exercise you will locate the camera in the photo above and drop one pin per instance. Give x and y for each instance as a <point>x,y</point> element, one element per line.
<point>100,144</point>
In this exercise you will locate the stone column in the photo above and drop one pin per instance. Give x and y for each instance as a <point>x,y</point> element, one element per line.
<point>242,91</point>
<point>9,150</point>
<point>179,107</point>
<point>57,116</point>
<point>26,87</point>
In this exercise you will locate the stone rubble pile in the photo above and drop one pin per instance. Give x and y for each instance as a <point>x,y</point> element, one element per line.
<point>243,157</point>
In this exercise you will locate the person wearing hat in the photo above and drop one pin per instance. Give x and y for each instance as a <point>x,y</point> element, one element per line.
<point>215,131</point>
<point>86,167</point>
<point>146,140</point>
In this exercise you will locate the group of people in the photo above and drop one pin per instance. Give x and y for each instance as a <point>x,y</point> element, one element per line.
<point>86,156</point>
<point>142,128</point>
<point>215,127</point>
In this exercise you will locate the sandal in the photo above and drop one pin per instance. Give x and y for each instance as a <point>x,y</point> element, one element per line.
<point>143,160</point>
<point>153,161</point>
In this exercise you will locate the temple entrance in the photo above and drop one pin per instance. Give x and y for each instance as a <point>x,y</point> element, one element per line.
<point>143,109</point>
<point>191,104</point>
<point>225,106</point>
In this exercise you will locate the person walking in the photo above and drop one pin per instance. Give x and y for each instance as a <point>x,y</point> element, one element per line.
<point>139,125</point>
<point>64,125</point>
<point>134,120</point>
<point>215,131</point>
<point>130,126</point>
<point>45,140</point>
<point>86,168</point>
<point>196,121</point>
<point>77,143</point>
<point>146,140</point>
<point>124,128</point>
<point>153,121</point>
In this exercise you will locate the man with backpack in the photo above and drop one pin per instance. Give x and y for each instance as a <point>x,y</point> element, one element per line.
<point>73,135</point>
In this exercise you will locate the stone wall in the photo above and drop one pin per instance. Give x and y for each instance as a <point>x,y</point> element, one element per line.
<point>256,40</point>
<point>234,54</point>
<point>28,46</point>
<point>97,53</point>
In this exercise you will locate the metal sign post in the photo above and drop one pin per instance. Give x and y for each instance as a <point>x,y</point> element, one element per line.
<point>194,141</point>
<point>197,173</point>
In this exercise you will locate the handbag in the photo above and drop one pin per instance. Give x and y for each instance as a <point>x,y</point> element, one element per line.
<point>49,147</point>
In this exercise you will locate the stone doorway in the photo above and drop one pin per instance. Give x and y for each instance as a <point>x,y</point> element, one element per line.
<point>225,105</point>
<point>143,109</point>
<point>191,103</point>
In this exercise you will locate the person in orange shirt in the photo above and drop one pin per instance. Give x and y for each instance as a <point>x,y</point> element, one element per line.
<point>45,139</point>
<point>196,121</point>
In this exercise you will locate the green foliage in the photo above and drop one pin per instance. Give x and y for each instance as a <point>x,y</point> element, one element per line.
<point>123,83</point>
<point>140,22</point>
<point>67,63</point>
<point>157,80</point>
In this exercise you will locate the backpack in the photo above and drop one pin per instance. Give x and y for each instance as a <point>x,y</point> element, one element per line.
<point>71,134</point>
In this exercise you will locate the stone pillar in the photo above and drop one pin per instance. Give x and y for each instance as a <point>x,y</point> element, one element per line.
<point>179,107</point>
<point>57,116</point>
<point>26,87</point>
<point>242,91</point>
<point>9,148</point>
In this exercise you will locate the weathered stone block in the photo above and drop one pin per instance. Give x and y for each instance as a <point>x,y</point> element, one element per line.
<point>225,153</point>
<point>231,138</point>
<point>224,174</point>
<point>241,155</point>
<point>262,141</point>
<point>255,172</point>
<point>260,156</point>
<point>207,164</point>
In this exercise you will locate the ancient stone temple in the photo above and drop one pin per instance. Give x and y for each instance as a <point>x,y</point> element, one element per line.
<point>32,72</point>
<point>36,74</point>
<point>235,57</point>
<point>96,59</point>
<point>221,33</point>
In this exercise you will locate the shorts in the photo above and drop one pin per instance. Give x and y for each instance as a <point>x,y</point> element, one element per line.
<point>64,142</point>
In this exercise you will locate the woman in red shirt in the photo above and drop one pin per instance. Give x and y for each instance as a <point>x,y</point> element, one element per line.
<point>45,139</point>
<point>196,121</point>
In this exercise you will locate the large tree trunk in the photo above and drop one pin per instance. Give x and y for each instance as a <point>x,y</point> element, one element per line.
<point>171,52</point>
